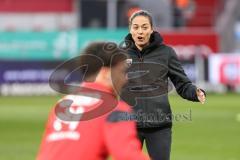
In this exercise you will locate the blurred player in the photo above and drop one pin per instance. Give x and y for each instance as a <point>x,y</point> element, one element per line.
<point>97,138</point>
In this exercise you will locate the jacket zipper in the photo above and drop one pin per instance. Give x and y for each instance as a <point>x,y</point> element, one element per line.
<point>140,57</point>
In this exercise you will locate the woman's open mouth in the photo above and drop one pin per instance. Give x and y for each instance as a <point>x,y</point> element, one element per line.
<point>140,38</point>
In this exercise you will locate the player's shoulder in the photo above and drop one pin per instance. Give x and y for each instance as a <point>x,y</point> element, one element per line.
<point>123,106</point>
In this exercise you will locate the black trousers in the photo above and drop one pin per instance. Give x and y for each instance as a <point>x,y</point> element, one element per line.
<point>158,142</point>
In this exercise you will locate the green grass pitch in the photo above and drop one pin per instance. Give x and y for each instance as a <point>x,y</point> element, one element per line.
<point>213,133</point>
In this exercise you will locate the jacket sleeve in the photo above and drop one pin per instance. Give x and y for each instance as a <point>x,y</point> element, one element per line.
<point>183,85</point>
<point>121,137</point>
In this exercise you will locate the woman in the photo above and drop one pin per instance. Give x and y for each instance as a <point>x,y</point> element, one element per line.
<point>153,63</point>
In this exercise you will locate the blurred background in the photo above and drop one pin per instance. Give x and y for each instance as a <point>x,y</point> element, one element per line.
<point>37,36</point>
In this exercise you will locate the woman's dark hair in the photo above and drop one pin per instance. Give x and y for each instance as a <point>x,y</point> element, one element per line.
<point>141,13</point>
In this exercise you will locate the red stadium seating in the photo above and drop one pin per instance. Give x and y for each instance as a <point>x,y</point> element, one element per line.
<point>206,13</point>
<point>36,6</point>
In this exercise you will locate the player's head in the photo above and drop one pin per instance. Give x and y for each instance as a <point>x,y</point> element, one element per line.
<point>141,27</point>
<point>106,63</point>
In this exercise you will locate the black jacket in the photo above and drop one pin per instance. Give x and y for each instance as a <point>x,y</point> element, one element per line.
<point>148,86</point>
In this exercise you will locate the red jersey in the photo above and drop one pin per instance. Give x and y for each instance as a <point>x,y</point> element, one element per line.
<point>112,133</point>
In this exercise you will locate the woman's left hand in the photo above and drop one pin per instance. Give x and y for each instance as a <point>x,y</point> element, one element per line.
<point>201,96</point>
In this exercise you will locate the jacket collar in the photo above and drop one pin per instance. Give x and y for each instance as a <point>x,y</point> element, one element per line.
<point>155,41</point>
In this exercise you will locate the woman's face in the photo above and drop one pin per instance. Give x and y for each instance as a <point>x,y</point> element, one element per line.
<point>141,31</point>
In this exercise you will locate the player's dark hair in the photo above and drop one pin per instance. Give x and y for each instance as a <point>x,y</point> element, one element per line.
<point>101,54</point>
<point>141,13</point>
